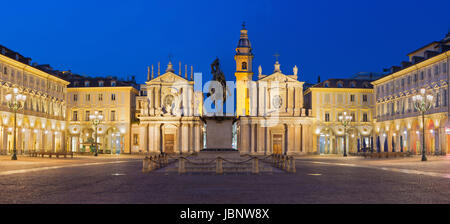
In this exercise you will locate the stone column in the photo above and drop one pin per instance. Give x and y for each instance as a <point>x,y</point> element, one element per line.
<point>296,139</point>
<point>151,98</point>
<point>52,134</point>
<point>149,138</point>
<point>298,98</point>
<point>200,136</point>
<point>158,98</point>
<point>3,140</point>
<point>184,138</point>
<point>245,146</point>
<point>290,99</point>
<point>43,141</point>
<point>158,143</point>
<point>191,137</point>
<point>267,141</point>
<point>260,133</point>
<point>303,143</point>
<point>290,137</point>
<point>252,138</point>
<point>63,140</point>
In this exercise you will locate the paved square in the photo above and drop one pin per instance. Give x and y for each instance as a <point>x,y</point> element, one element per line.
<point>111,179</point>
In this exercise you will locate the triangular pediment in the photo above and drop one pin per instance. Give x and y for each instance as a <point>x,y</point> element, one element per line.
<point>168,77</point>
<point>279,77</point>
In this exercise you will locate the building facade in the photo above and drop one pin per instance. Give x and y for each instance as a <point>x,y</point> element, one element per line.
<point>169,115</point>
<point>332,98</point>
<point>271,116</point>
<point>398,125</point>
<point>41,124</point>
<point>115,100</point>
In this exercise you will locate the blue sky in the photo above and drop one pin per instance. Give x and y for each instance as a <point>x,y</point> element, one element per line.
<point>121,38</point>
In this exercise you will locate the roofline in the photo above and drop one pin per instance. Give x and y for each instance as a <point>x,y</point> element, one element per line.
<point>434,42</point>
<point>101,87</point>
<point>414,66</point>
<point>33,69</point>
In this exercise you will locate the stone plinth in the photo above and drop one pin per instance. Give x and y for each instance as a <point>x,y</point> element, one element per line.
<point>219,132</point>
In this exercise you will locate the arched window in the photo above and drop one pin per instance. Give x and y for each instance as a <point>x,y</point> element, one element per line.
<point>244,65</point>
<point>340,84</point>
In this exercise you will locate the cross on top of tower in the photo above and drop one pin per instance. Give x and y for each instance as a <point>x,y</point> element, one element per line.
<point>243,25</point>
<point>276,56</point>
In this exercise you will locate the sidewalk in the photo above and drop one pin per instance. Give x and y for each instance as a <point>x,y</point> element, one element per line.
<point>26,162</point>
<point>438,164</point>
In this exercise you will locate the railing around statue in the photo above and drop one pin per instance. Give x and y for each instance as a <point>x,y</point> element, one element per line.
<point>220,165</point>
<point>151,163</point>
<point>284,162</point>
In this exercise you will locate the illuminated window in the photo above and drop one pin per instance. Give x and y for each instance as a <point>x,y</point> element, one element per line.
<point>365,117</point>
<point>75,116</point>
<point>327,117</point>
<point>364,98</point>
<point>86,117</point>
<point>135,139</point>
<point>113,115</point>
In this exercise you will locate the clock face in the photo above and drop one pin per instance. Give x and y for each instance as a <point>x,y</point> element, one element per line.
<point>277,102</point>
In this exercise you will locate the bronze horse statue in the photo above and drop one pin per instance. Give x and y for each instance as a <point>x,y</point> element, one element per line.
<point>219,77</point>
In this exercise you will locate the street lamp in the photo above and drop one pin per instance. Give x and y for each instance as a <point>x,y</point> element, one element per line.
<point>96,118</point>
<point>423,102</point>
<point>15,102</point>
<point>345,121</point>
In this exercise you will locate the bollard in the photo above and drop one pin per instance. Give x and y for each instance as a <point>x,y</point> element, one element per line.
<point>151,164</point>
<point>255,166</point>
<point>293,169</point>
<point>181,169</point>
<point>288,164</point>
<point>145,165</point>
<point>219,166</point>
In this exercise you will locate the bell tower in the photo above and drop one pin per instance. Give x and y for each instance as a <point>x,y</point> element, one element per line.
<point>244,73</point>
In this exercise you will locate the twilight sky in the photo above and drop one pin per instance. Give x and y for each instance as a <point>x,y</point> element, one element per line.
<point>333,39</point>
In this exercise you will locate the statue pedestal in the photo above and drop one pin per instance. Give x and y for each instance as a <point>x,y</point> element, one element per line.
<point>219,133</point>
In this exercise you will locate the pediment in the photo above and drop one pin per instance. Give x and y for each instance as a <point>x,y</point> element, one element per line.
<point>168,77</point>
<point>279,77</point>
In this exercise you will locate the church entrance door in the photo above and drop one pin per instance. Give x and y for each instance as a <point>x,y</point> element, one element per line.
<point>277,144</point>
<point>169,140</point>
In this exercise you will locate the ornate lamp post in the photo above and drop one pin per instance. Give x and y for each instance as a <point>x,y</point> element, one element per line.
<point>96,118</point>
<point>15,102</point>
<point>423,102</point>
<point>345,121</point>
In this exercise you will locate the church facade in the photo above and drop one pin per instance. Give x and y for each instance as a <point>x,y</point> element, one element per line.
<point>271,116</point>
<point>169,116</point>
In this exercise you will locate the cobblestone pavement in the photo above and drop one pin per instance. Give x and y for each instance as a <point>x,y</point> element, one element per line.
<point>318,180</point>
